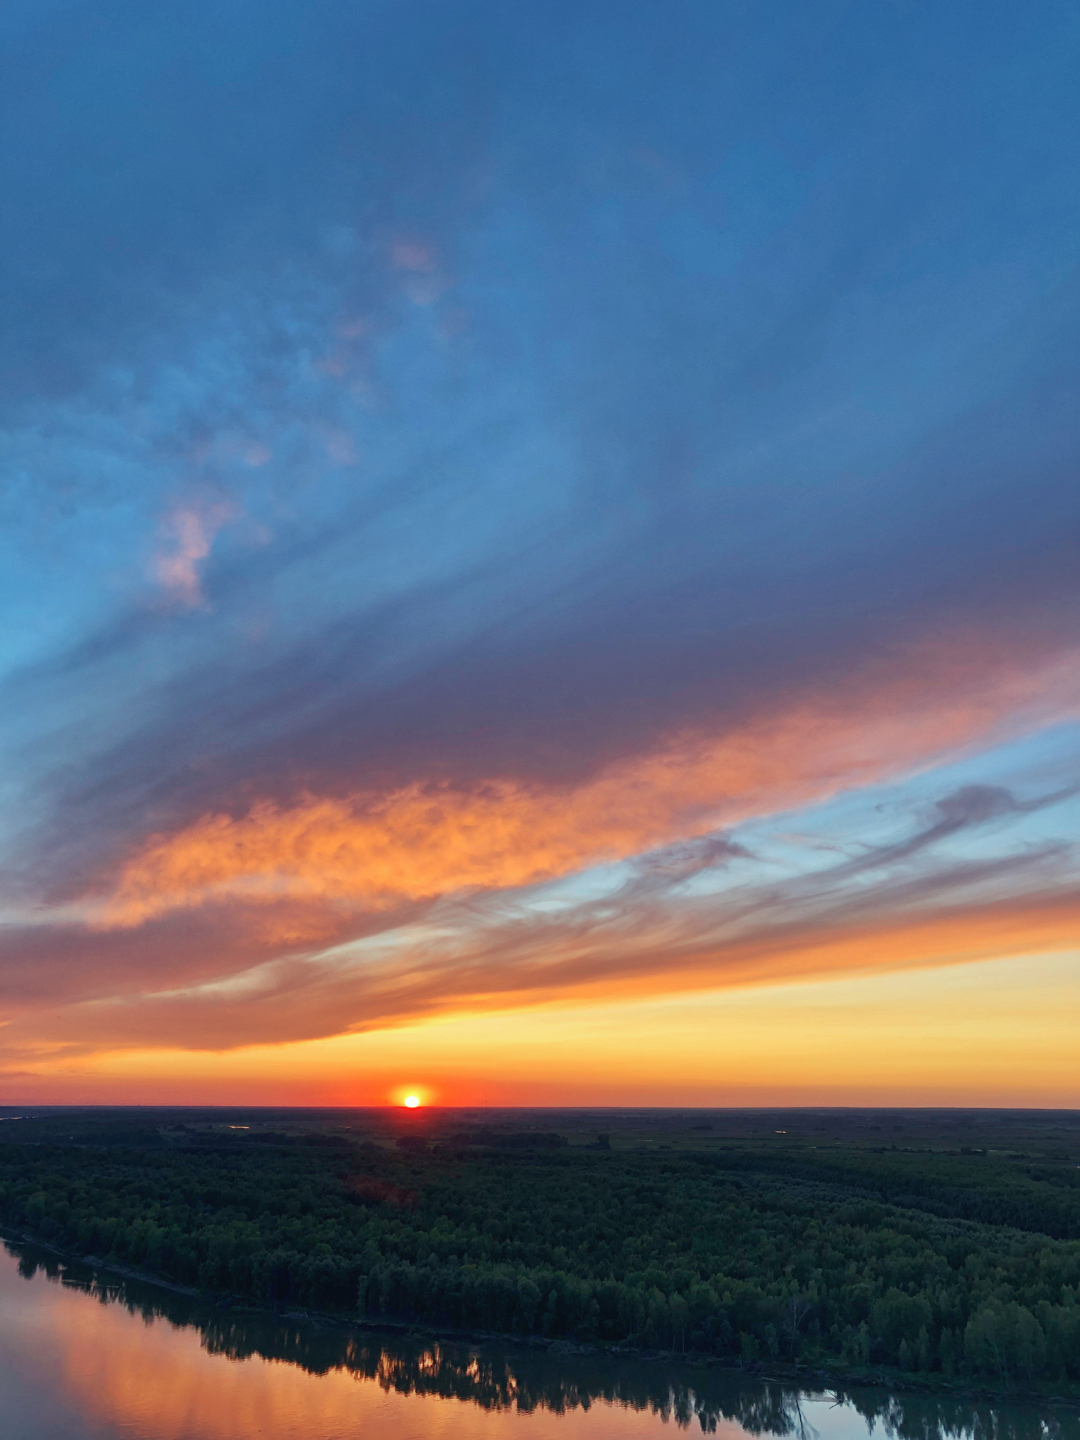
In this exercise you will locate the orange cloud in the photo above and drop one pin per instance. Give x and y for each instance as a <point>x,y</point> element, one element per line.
<point>425,840</point>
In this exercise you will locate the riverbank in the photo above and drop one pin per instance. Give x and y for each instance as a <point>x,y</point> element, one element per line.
<point>87,1354</point>
<point>803,1377</point>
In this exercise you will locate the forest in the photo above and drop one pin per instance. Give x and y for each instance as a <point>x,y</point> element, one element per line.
<point>945,1252</point>
<point>689,1392</point>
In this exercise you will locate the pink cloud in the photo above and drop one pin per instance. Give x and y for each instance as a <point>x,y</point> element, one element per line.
<point>426,282</point>
<point>412,255</point>
<point>257,454</point>
<point>339,445</point>
<point>187,535</point>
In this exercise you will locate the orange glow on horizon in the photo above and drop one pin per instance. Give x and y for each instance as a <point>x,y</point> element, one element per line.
<point>399,1031</point>
<point>999,1032</point>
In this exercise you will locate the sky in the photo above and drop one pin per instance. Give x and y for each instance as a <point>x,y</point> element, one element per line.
<point>539,553</point>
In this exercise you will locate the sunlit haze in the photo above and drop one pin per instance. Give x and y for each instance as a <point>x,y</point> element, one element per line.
<point>540,557</point>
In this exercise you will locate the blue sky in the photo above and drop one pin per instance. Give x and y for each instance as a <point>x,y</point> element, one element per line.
<point>528,408</point>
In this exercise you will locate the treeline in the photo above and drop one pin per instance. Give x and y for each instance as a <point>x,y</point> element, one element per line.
<point>530,1379</point>
<point>743,1255</point>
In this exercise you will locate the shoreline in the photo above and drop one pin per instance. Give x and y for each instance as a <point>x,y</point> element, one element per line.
<point>806,1377</point>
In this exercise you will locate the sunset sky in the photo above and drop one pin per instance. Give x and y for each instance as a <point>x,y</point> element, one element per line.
<point>540,552</point>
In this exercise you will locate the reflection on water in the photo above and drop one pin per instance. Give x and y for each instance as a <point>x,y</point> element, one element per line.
<point>84,1354</point>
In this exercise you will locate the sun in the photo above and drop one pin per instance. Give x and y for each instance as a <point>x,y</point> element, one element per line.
<point>410,1097</point>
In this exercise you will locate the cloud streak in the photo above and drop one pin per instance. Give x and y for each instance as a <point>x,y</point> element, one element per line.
<point>629,944</point>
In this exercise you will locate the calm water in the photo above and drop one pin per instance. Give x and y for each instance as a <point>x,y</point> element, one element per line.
<point>83,1354</point>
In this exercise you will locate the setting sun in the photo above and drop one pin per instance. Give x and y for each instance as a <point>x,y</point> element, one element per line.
<point>412,1097</point>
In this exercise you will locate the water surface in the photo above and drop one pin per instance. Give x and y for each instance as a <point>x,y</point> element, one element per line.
<point>86,1354</point>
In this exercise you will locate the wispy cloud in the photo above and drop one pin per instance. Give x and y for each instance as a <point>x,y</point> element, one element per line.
<point>186,538</point>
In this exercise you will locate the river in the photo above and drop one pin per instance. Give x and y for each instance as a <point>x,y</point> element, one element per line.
<point>84,1353</point>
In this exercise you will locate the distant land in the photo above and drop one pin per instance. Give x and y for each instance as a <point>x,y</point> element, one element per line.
<point>942,1246</point>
